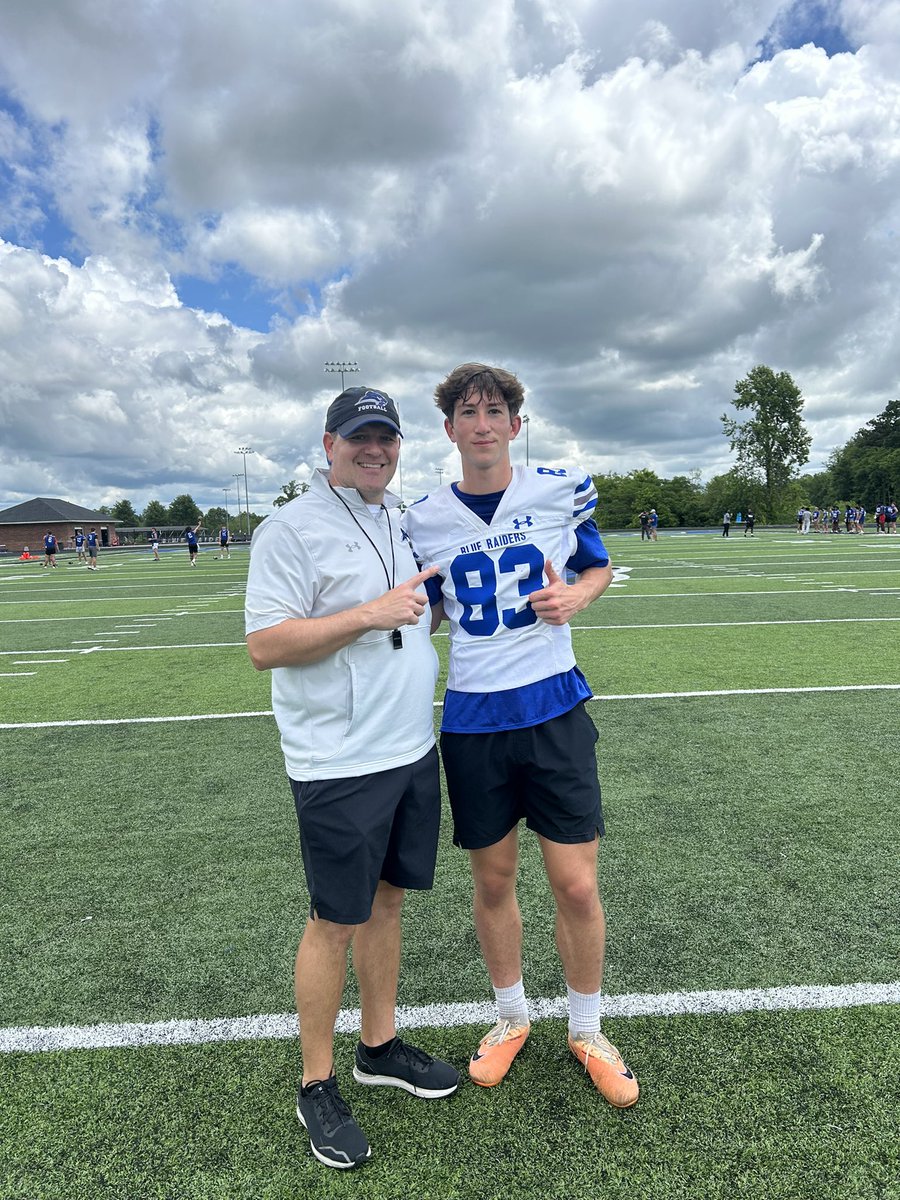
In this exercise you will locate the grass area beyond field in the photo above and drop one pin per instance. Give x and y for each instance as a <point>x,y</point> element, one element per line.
<point>151,872</point>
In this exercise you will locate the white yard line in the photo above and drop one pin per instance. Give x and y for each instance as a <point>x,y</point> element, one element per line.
<point>776,691</point>
<point>193,645</point>
<point>575,629</point>
<point>727,624</point>
<point>193,1032</point>
<point>758,593</point>
<point>94,617</point>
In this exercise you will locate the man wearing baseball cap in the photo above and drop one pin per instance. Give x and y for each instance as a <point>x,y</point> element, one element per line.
<point>336,610</point>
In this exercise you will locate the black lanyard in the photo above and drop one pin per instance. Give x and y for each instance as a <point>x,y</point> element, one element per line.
<point>396,636</point>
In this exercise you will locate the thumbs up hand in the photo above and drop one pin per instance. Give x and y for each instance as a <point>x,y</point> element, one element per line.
<point>556,602</point>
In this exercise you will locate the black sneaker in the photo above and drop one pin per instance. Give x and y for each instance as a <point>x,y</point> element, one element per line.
<point>406,1067</point>
<point>334,1137</point>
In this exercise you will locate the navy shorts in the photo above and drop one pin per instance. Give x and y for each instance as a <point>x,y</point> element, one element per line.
<point>546,773</point>
<point>355,832</point>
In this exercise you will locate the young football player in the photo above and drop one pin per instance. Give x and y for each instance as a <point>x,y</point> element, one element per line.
<point>516,739</point>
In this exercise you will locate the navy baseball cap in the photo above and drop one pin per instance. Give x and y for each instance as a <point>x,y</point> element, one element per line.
<point>359,406</point>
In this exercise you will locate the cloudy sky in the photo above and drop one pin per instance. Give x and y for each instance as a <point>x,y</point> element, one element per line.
<point>202,202</point>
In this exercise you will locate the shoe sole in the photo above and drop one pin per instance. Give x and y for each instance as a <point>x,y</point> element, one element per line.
<point>393,1081</point>
<point>331,1162</point>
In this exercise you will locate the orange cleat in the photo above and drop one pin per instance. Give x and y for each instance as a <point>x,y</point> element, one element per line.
<point>610,1073</point>
<point>495,1053</point>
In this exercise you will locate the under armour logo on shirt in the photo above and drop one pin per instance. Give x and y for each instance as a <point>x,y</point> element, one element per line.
<point>520,521</point>
<point>351,546</point>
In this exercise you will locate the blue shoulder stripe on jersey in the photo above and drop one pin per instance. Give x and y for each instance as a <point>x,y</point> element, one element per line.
<point>586,496</point>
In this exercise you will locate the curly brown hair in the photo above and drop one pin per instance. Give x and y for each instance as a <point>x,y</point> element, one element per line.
<point>477,379</point>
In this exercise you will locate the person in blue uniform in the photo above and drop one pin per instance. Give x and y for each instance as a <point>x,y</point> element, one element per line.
<point>50,548</point>
<point>92,549</point>
<point>517,741</point>
<point>224,538</point>
<point>190,536</point>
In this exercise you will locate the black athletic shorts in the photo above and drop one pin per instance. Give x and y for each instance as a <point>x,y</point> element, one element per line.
<point>546,774</point>
<point>355,832</point>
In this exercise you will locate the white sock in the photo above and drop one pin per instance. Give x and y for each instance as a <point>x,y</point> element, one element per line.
<point>511,1004</point>
<point>584,1012</point>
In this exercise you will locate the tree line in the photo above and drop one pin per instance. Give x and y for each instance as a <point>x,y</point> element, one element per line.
<point>183,512</point>
<point>771,446</point>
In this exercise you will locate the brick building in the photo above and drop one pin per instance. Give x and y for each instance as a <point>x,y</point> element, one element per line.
<point>26,524</point>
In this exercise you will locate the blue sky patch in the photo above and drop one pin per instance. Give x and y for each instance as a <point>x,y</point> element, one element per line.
<point>802,22</point>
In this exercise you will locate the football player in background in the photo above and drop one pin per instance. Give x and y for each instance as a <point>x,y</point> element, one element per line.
<point>516,740</point>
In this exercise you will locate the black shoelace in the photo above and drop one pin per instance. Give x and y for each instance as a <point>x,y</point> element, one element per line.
<point>331,1107</point>
<point>417,1059</point>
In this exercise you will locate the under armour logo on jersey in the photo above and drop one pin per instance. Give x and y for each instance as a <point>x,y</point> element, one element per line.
<point>351,546</point>
<point>520,521</point>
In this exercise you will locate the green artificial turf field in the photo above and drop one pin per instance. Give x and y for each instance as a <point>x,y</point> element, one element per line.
<point>746,692</point>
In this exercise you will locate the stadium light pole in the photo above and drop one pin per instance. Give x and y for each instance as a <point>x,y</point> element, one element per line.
<point>226,491</point>
<point>440,474</point>
<point>343,368</point>
<point>244,451</point>
<point>526,420</point>
<point>237,484</point>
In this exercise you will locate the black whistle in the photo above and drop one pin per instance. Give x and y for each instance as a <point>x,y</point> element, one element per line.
<point>396,639</point>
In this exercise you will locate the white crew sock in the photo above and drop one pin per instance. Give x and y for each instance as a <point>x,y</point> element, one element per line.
<point>511,1004</point>
<point>584,1012</point>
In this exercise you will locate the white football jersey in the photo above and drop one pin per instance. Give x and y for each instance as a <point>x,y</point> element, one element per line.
<point>497,641</point>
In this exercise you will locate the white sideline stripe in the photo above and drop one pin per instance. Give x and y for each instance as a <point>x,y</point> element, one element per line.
<point>776,691</point>
<point>193,1032</point>
<point>575,629</point>
<point>267,712</point>
<point>93,617</point>
<point>15,674</point>
<point>728,624</point>
<point>216,645</point>
<point>759,593</point>
<point>135,720</point>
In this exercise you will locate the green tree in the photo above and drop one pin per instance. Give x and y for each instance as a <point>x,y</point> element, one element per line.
<point>123,512</point>
<point>883,431</point>
<point>867,469</point>
<point>818,488</point>
<point>683,498</point>
<point>155,514</point>
<point>215,518</point>
<point>773,443</point>
<point>620,499</point>
<point>183,511</point>
<point>290,491</point>
<point>733,492</point>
